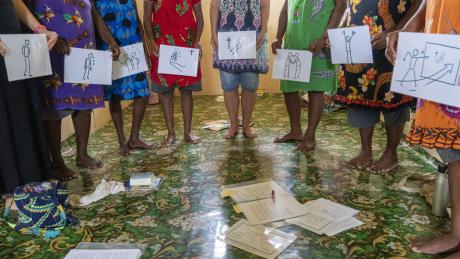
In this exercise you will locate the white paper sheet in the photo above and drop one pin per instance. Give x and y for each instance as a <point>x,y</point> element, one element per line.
<point>262,241</point>
<point>339,227</point>
<point>428,66</point>
<point>311,221</point>
<point>132,61</point>
<point>88,66</point>
<point>351,45</point>
<point>335,211</point>
<point>27,56</point>
<point>178,61</point>
<point>266,210</point>
<point>237,45</point>
<point>104,254</point>
<point>293,65</point>
<point>255,191</point>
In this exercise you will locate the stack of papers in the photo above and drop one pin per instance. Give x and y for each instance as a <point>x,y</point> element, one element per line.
<point>327,217</point>
<point>144,182</point>
<point>140,179</point>
<point>104,254</point>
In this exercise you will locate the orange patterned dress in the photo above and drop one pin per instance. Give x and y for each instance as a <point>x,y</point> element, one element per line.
<point>437,125</point>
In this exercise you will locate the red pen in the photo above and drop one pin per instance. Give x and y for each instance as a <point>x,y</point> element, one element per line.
<point>273,195</point>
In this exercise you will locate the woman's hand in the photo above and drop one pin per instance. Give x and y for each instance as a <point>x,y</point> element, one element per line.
<point>115,49</point>
<point>51,38</point>
<point>61,47</point>
<point>278,44</point>
<point>214,42</point>
<point>317,45</point>
<point>198,46</point>
<point>154,49</point>
<point>379,41</point>
<point>260,39</point>
<point>2,48</point>
<point>392,45</point>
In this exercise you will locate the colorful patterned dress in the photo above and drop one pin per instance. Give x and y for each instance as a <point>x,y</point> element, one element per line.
<point>368,85</point>
<point>174,24</point>
<point>436,125</point>
<point>72,21</point>
<point>307,21</point>
<point>242,15</point>
<point>121,18</point>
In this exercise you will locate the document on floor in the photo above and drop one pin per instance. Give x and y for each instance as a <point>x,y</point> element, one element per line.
<point>254,190</point>
<point>27,56</point>
<point>262,241</point>
<point>237,45</point>
<point>104,254</point>
<point>132,61</point>
<point>337,212</point>
<point>351,45</point>
<point>178,61</point>
<point>339,227</point>
<point>271,210</point>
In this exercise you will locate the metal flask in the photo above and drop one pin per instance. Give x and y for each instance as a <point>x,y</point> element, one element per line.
<point>441,192</point>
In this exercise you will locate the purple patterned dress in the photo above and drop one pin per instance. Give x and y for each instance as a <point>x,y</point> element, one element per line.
<point>71,19</point>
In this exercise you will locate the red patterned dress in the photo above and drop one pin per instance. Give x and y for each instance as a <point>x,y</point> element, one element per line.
<point>174,24</point>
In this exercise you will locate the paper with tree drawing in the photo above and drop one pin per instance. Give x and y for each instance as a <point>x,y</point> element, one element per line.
<point>428,66</point>
<point>27,56</point>
<point>351,45</point>
<point>178,61</point>
<point>132,61</point>
<point>88,66</point>
<point>292,65</point>
<point>237,45</point>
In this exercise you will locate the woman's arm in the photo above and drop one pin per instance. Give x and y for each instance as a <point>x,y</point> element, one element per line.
<point>334,21</point>
<point>415,24</point>
<point>29,20</point>
<point>264,16</point>
<point>148,26</point>
<point>214,17</point>
<point>104,32</point>
<point>198,12</point>
<point>282,24</point>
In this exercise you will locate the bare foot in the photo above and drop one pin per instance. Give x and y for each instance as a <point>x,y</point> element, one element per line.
<point>139,144</point>
<point>289,138</point>
<point>386,164</point>
<point>124,150</point>
<point>307,145</point>
<point>89,162</point>
<point>249,134</point>
<point>231,133</point>
<point>453,256</point>
<point>169,141</point>
<point>438,245</point>
<point>362,161</point>
<point>192,139</point>
<point>63,173</point>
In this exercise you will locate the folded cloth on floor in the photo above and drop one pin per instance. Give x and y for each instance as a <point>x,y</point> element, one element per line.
<point>103,190</point>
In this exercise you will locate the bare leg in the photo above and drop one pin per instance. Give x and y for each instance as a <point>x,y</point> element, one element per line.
<point>294,106</point>
<point>232,103</point>
<point>315,112</point>
<point>389,158</point>
<point>167,104</point>
<point>82,125</point>
<point>139,106</point>
<point>450,240</point>
<point>187,112</point>
<point>53,135</point>
<point>365,156</point>
<point>117,118</point>
<point>248,101</point>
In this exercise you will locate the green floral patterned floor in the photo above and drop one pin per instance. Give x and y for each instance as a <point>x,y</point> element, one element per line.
<point>183,219</point>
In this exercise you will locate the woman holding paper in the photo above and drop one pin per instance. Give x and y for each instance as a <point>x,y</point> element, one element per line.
<point>23,154</point>
<point>122,19</point>
<point>240,15</point>
<point>75,22</point>
<point>437,125</point>
<point>303,25</point>
<point>365,88</point>
<point>176,23</point>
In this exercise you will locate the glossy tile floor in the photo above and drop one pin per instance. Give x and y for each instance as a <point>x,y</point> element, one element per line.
<point>183,219</point>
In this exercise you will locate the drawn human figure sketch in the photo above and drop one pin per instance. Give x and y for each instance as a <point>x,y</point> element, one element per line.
<point>88,66</point>
<point>27,56</point>
<point>178,60</point>
<point>237,45</point>
<point>427,66</point>
<point>293,65</point>
<point>348,39</point>
<point>132,61</point>
<point>318,6</point>
<point>351,45</point>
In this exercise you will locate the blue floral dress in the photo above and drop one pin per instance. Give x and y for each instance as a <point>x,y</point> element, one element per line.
<point>121,18</point>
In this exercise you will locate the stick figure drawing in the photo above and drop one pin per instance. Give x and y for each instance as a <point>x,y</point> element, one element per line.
<point>26,54</point>
<point>88,66</point>
<point>292,66</point>
<point>174,60</point>
<point>411,74</point>
<point>348,40</point>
